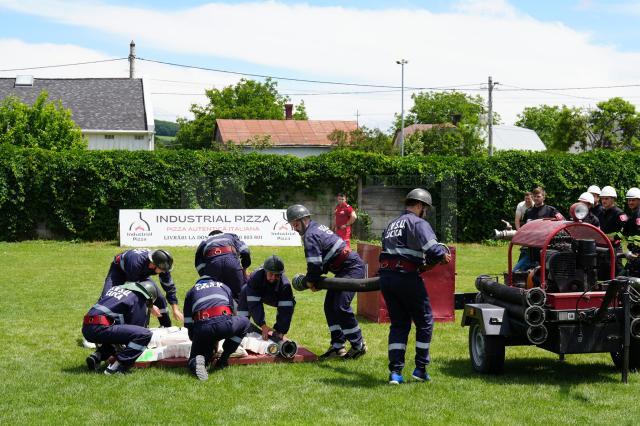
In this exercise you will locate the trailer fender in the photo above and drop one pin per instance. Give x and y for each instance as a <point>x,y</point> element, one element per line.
<point>492,318</point>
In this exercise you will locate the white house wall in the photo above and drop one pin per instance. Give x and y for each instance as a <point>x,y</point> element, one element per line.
<point>97,141</point>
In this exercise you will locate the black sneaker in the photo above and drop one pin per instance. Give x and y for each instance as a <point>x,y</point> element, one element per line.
<point>355,353</point>
<point>93,361</point>
<point>334,352</point>
<point>120,369</point>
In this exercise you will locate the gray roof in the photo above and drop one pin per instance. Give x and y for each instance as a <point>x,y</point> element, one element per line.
<point>96,103</point>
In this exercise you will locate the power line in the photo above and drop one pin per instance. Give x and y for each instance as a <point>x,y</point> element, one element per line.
<point>545,91</point>
<point>63,65</point>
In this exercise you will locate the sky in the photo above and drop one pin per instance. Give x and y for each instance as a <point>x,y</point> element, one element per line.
<point>544,45</point>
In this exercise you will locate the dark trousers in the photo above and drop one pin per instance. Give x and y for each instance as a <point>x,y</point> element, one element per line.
<point>226,269</point>
<point>207,333</point>
<point>133,337</point>
<point>113,279</point>
<point>341,320</point>
<point>407,300</point>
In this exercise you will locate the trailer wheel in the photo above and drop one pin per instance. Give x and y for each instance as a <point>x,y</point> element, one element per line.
<point>634,357</point>
<point>486,352</point>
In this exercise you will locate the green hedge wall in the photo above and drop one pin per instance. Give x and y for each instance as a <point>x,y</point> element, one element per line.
<point>77,194</point>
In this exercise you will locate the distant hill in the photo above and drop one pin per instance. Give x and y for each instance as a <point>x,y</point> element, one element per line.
<point>166,128</point>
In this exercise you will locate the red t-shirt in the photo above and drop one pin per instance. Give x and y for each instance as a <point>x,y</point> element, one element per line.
<point>343,215</point>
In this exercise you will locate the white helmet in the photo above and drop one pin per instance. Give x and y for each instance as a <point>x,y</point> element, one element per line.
<point>633,193</point>
<point>608,191</point>
<point>594,189</point>
<point>587,197</point>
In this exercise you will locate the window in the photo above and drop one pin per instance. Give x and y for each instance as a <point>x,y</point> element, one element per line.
<point>24,80</point>
<point>109,137</point>
<point>139,137</point>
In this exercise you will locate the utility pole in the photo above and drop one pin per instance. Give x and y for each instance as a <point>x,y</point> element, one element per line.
<point>490,117</point>
<point>402,63</point>
<point>132,59</point>
<point>357,119</point>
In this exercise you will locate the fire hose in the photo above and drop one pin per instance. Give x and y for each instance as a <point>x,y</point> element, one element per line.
<point>299,282</point>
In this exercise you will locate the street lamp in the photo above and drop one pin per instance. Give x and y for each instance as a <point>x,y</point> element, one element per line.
<point>402,62</point>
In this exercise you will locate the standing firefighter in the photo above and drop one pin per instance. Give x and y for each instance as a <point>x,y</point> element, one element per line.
<point>631,231</point>
<point>612,221</point>
<point>120,318</point>
<point>324,252</point>
<point>217,258</point>
<point>138,265</point>
<point>407,243</point>
<point>268,286</point>
<point>209,318</point>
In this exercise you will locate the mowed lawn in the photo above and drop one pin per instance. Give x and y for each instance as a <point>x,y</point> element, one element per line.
<point>47,287</point>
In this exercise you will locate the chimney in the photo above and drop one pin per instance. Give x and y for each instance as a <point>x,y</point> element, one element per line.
<point>288,111</point>
<point>132,59</point>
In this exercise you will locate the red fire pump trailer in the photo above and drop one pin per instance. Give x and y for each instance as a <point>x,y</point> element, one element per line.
<point>559,302</point>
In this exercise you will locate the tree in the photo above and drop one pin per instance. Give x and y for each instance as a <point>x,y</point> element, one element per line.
<point>44,124</point>
<point>615,125</point>
<point>363,139</point>
<point>445,108</point>
<point>166,128</point>
<point>559,128</point>
<point>300,112</point>
<point>249,99</point>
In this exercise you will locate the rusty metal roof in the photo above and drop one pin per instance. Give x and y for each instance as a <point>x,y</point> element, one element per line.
<point>282,132</point>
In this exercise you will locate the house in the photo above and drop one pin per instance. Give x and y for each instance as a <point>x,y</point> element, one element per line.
<point>414,128</point>
<point>113,113</point>
<point>301,138</point>
<point>517,138</point>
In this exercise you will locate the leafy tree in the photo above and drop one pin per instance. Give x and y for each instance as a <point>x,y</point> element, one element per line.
<point>443,108</point>
<point>249,99</point>
<point>166,128</point>
<point>363,139</point>
<point>615,124</point>
<point>559,128</point>
<point>300,112</point>
<point>44,124</point>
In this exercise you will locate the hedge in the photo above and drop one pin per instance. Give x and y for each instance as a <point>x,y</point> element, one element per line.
<point>76,195</point>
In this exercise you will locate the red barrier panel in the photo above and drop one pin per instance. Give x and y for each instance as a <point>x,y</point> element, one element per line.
<point>440,283</point>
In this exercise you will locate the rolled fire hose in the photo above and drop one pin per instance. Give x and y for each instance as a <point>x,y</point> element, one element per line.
<point>299,282</point>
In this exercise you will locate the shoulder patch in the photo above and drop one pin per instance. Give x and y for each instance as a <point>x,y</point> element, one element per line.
<point>638,221</point>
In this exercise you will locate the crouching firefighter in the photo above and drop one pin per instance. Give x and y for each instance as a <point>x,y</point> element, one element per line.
<point>138,265</point>
<point>268,286</point>
<point>217,258</point>
<point>324,252</point>
<point>209,318</point>
<point>120,318</point>
<point>407,242</point>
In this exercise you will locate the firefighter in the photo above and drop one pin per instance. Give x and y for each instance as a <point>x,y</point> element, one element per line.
<point>631,231</point>
<point>612,222</point>
<point>407,242</point>
<point>268,286</point>
<point>587,199</point>
<point>598,208</point>
<point>208,319</point>
<point>344,216</point>
<point>217,258</point>
<point>138,265</point>
<point>120,318</point>
<point>324,252</point>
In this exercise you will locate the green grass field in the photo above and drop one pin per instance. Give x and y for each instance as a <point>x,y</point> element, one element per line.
<point>48,286</point>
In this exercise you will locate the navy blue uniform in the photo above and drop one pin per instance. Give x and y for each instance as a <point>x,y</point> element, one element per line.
<point>217,258</point>
<point>133,266</point>
<point>205,330</point>
<point>631,231</point>
<point>598,211</point>
<point>259,291</point>
<point>127,313</point>
<point>612,220</point>
<point>324,252</point>
<point>406,242</point>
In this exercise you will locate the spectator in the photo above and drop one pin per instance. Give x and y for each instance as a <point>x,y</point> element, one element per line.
<point>345,215</point>
<point>522,208</point>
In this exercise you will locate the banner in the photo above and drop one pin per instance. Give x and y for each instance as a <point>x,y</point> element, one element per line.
<point>188,227</point>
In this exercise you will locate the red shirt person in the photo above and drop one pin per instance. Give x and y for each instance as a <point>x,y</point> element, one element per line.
<point>345,215</point>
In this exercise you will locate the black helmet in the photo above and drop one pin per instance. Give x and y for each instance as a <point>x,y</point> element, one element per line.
<point>273,264</point>
<point>297,211</point>
<point>149,288</point>
<point>420,194</point>
<point>162,259</point>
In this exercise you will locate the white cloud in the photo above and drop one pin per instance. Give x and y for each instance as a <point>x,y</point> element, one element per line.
<point>477,39</point>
